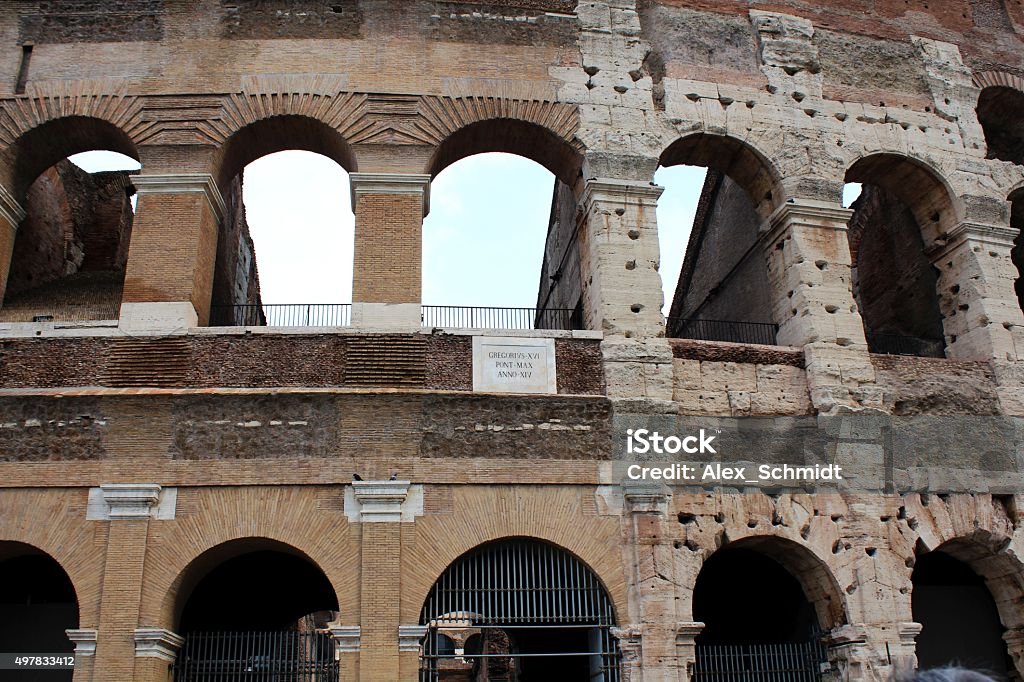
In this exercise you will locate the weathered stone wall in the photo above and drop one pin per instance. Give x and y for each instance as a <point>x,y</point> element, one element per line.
<point>560,278</point>
<point>236,280</point>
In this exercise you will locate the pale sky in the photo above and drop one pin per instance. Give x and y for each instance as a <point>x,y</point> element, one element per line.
<point>483,242</point>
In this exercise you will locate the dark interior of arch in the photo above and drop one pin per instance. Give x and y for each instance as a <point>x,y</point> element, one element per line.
<point>37,604</point>
<point>960,622</point>
<point>894,282</point>
<point>263,590</point>
<point>1017,253</point>
<point>745,597</point>
<point>46,144</point>
<point>511,136</point>
<point>277,134</point>
<point>1001,114</point>
<point>914,185</point>
<point>534,611</point>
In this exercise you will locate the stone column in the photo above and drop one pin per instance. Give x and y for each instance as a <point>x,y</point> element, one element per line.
<point>347,640</point>
<point>622,293</point>
<point>870,652</point>
<point>808,256</point>
<point>387,277</point>
<point>380,515</point>
<point>11,215</point>
<point>169,279</point>
<point>976,292</point>
<point>128,507</point>
<point>84,640</point>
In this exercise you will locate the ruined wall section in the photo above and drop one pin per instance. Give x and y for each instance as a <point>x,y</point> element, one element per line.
<point>560,279</point>
<point>724,276</point>
<point>236,280</point>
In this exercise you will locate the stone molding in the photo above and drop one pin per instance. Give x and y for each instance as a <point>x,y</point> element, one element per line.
<point>807,212</point>
<point>630,642</point>
<point>968,232</point>
<point>84,640</point>
<point>183,183</point>
<point>347,638</point>
<point>611,190</point>
<point>380,501</point>
<point>130,500</point>
<point>687,632</point>
<point>410,636</point>
<point>157,643</point>
<point>646,499</point>
<point>391,183</point>
<point>10,209</point>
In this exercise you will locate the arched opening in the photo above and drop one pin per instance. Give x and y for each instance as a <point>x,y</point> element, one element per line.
<point>252,607</point>
<point>38,605</point>
<point>958,614</point>
<point>284,250</point>
<point>500,243</point>
<point>722,292</point>
<point>524,611</point>
<point>72,177</point>
<point>902,209</point>
<point>1001,115</point>
<point>768,634</point>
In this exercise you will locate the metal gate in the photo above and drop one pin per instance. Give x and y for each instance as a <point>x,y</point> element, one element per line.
<point>799,662</point>
<point>256,657</point>
<point>503,592</point>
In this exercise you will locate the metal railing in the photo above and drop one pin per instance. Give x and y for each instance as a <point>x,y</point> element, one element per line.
<point>470,317</point>
<point>256,657</point>
<point>794,662</point>
<point>761,333</point>
<point>282,315</point>
<point>894,344</point>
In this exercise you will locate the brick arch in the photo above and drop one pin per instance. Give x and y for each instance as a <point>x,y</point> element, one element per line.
<point>989,79</point>
<point>36,149</point>
<point>745,164</point>
<point>555,148</point>
<point>276,133</point>
<point>289,516</point>
<point>923,188</point>
<point>811,571</point>
<point>549,516</point>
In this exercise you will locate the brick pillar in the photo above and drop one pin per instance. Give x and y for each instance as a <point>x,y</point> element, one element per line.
<point>410,637</point>
<point>84,640</point>
<point>156,649</point>
<point>808,259</point>
<point>11,215</point>
<point>380,516</point>
<point>387,277</point>
<point>979,305</point>
<point>620,258</point>
<point>128,509</point>
<point>173,251</point>
<point>346,649</point>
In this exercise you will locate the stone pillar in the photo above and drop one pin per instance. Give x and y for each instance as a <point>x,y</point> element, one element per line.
<point>156,649</point>
<point>619,254</point>
<point>686,648</point>
<point>11,215</point>
<point>870,652</point>
<point>380,515</point>
<point>976,292</point>
<point>84,640</point>
<point>410,639</point>
<point>129,509</point>
<point>347,640</point>
<point>1014,639</point>
<point>808,256</point>
<point>387,272</point>
<point>169,279</point>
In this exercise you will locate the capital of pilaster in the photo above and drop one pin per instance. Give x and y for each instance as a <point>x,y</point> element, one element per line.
<point>182,183</point>
<point>611,190</point>
<point>84,640</point>
<point>847,635</point>
<point>410,636</point>
<point>417,184</point>
<point>347,638</point>
<point>157,643</point>
<point>10,210</point>
<point>130,500</point>
<point>968,233</point>
<point>630,639</point>
<point>908,632</point>
<point>807,213</point>
<point>687,632</point>
<point>646,498</point>
<point>380,501</point>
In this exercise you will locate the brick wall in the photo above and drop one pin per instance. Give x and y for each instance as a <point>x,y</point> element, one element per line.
<point>387,262</point>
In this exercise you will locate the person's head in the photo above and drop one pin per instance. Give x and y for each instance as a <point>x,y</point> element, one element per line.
<point>950,674</point>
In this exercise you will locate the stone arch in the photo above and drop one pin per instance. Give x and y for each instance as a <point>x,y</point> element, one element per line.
<point>744,164</point>
<point>535,141</point>
<point>816,579</point>
<point>42,146</point>
<point>1000,112</point>
<point>202,565</point>
<point>276,133</point>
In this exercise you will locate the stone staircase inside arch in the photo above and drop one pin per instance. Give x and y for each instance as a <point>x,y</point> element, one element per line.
<point>386,361</point>
<point>158,362</point>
